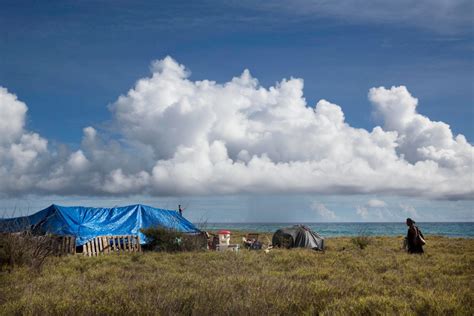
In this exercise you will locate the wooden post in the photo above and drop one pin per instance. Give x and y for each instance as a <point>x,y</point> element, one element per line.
<point>101,247</point>
<point>64,245</point>
<point>68,245</point>
<point>129,249</point>
<point>138,244</point>
<point>93,247</point>
<point>119,243</point>
<point>105,244</point>
<point>89,248</point>
<point>73,245</point>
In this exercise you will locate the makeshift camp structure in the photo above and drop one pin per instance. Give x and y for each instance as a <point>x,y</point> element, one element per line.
<point>87,223</point>
<point>297,236</point>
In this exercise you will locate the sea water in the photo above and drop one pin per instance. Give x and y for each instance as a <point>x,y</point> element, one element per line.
<point>464,229</point>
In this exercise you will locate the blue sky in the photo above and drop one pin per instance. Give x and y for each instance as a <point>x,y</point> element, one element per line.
<point>69,61</point>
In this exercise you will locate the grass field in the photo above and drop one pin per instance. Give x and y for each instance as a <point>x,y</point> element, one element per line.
<point>380,279</point>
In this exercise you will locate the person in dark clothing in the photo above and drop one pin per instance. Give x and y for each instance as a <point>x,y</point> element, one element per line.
<point>180,210</point>
<point>413,241</point>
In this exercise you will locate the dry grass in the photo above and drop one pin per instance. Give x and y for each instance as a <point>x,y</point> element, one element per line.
<point>380,279</point>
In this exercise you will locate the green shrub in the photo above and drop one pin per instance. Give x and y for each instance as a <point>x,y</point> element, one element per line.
<point>165,239</point>
<point>361,241</point>
<point>25,249</point>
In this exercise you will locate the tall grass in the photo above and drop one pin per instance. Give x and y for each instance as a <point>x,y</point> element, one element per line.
<point>380,279</point>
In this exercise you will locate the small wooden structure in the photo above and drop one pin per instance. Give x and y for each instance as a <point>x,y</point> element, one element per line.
<point>102,245</point>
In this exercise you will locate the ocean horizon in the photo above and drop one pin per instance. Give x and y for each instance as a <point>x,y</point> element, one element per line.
<point>339,229</point>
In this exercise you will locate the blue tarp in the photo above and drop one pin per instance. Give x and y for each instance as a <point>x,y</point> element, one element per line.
<point>88,222</point>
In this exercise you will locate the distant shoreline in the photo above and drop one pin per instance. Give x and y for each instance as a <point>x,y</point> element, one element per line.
<point>346,229</point>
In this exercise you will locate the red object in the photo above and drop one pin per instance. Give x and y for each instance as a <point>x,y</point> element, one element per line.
<point>224,232</point>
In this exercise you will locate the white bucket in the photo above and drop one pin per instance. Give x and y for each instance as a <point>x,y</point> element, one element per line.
<point>224,237</point>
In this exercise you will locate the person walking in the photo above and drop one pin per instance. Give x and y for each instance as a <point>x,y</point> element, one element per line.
<point>180,210</point>
<point>415,239</point>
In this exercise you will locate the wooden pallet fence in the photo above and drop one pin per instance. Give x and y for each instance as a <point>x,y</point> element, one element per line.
<point>102,245</point>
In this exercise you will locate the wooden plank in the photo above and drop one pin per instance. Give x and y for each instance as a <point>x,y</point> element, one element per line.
<point>93,244</point>
<point>67,245</point>
<point>101,246</point>
<point>138,244</point>
<point>113,243</point>
<point>64,246</point>
<point>96,242</point>
<point>109,246</point>
<point>71,242</point>
<point>97,245</point>
<point>59,245</point>
<point>132,243</point>
<point>109,242</point>
<point>91,251</point>
<point>105,244</point>
<point>119,243</point>
<point>96,248</point>
<point>129,249</point>
<point>73,245</point>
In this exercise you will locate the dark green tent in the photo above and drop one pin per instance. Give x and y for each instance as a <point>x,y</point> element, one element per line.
<point>297,236</point>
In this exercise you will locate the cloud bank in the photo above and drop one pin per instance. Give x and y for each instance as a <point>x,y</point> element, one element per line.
<point>378,210</point>
<point>441,16</point>
<point>175,136</point>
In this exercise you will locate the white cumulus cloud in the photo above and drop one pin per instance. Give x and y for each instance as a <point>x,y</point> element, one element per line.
<point>178,136</point>
<point>376,203</point>
<point>323,212</point>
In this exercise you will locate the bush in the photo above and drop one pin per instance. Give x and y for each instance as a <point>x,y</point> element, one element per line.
<point>166,239</point>
<point>25,249</point>
<point>361,241</point>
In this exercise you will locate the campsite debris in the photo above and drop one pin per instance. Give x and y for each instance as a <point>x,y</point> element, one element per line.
<point>224,242</point>
<point>251,241</point>
<point>212,241</point>
<point>224,237</point>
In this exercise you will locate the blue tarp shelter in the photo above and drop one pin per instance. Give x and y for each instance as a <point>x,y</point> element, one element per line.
<point>88,222</point>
